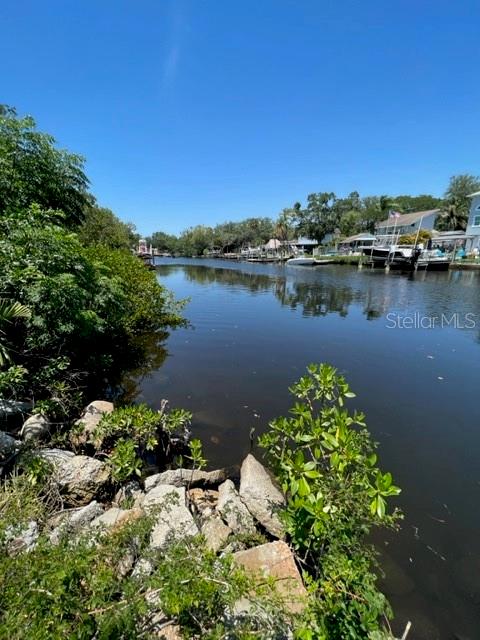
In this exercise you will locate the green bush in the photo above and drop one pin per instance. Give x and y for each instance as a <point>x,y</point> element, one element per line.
<point>129,432</point>
<point>326,463</point>
<point>87,307</point>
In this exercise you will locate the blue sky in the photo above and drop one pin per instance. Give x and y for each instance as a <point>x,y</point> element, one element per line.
<point>197,111</point>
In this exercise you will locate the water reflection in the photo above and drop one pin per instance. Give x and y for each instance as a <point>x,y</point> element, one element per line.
<point>320,291</point>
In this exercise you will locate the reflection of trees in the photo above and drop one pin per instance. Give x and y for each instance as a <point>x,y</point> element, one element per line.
<point>229,277</point>
<point>314,300</point>
<point>318,293</point>
<point>147,355</point>
<point>313,297</point>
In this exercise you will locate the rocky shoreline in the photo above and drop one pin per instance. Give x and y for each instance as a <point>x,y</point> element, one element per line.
<point>238,516</point>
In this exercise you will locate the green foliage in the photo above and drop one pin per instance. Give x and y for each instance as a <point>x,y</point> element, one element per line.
<point>129,432</point>
<point>326,462</point>
<point>75,589</point>
<point>102,227</point>
<point>87,306</point>
<point>33,170</point>
<point>124,460</point>
<point>9,312</point>
<point>457,203</point>
<point>196,454</point>
<point>423,236</point>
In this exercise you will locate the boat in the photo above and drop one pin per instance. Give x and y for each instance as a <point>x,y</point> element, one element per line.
<point>324,261</point>
<point>303,261</point>
<point>395,256</point>
<point>434,261</point>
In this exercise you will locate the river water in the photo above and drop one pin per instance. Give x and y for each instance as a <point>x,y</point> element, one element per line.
<point>410,349</point>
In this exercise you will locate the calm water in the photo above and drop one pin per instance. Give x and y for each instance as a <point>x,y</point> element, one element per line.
<point>253,330</point>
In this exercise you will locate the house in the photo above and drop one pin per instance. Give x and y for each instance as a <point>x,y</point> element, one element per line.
<point>405,224</point>
<point>352,244</point>
<point>305,244</point>
<point>473,226</point>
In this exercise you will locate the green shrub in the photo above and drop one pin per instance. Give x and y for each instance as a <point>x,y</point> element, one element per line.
<point>129,432</point>
<point>85,314</point>
<point>326,463</point>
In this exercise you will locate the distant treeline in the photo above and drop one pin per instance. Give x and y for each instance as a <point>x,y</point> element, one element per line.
<point>324,213</point>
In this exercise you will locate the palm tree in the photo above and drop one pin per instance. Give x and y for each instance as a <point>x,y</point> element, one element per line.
<point>453,219</point>
<point>9,311</point>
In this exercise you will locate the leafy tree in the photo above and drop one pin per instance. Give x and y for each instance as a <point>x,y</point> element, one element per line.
<point>195,241</point>
<point>457,202</point>
<point>33,170</point>
<point>101,226</point>
<point>163,241</point>
<point>424,202</point>
<point>319,217</point>
<point>87,306</point>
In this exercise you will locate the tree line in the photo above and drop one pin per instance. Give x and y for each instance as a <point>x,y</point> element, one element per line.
<point>324,214</point>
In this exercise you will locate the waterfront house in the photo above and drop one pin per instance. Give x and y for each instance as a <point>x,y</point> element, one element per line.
<point>405,224</point>
<point>354,244</point>
<point>473,226</point>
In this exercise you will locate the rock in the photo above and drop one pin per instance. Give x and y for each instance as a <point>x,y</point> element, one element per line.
<point>116,518</point>
<point>143,567</point>
<point>56,456</point>
<point>89,420</point>
<point>23,540</point>
<point>275,560</point>
<point>203,502</point>
<point>170,632</point>
<point>13,407</point>
<point>35,427</point>
<point>186,477</point>
<point>263,499</point>
<point>215,533</point>
<point>173,520</point>
<point>79,478</point>
<point>130,494</point>
<point>73,521</point>
<point>8,446</point>
<point>232,509</point>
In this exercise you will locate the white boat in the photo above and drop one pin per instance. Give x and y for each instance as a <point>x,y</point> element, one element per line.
<point>303,261</point>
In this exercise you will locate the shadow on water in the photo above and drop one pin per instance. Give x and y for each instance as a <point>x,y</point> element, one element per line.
<point>255,327</point>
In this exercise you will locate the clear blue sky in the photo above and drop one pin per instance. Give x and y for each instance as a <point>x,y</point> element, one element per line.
<point>198,111</point>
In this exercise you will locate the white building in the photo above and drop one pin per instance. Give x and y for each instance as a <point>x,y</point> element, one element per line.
<point>473,226</point>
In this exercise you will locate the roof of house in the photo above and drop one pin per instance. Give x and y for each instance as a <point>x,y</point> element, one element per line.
<point>407,218</point>
<point>358,236</point>
<point>273,244</point>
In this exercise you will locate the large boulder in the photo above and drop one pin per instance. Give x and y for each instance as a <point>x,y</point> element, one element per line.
<point>86,425</point>
<point>263,499</point>
<point>173,520</point>
<point>79,478</point>
<point>186,477</point>
<point>275,560</point>
<point>35,427</point>
<point>232,509</point>
<point>8,446</point>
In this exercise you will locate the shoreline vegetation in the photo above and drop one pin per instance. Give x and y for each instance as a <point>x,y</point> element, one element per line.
<point>110,526</point>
